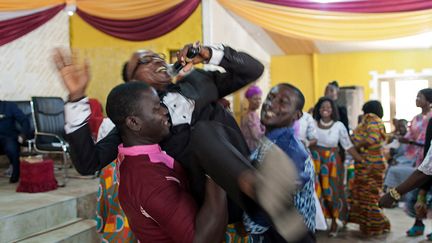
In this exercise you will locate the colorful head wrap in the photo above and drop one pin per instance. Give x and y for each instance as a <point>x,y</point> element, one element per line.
<point>253,90</point>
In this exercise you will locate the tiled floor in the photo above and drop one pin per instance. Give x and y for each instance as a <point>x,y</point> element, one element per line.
<point>400,222</point>
<point>8,205</point>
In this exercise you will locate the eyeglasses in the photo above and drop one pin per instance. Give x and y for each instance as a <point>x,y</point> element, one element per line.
<point>146,59</point>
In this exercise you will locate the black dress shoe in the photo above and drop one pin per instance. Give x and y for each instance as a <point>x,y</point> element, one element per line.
<point>13,179</point>
<point>275,189</point>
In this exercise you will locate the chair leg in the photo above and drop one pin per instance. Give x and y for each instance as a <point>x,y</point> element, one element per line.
<point>65,159</point>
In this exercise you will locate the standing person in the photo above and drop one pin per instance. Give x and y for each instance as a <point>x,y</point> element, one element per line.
<point>250,124</point>
<point>282,107</point>
<point>306,130</point>
<point>203,137</point>
<point>420,178</point>
<point>329,168</point>
<point>414,141</point>
<point>415,138</point>
<point>10,114</point>
<point>332,92</point>
<point>153,188</point>
<point>369,138</point>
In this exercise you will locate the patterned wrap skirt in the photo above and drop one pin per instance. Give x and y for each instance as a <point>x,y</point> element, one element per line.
<point>231,236</point>
<point>367,187</point>
<point>329,182</point>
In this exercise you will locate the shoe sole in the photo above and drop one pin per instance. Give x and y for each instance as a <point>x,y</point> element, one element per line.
<point>276,185</point>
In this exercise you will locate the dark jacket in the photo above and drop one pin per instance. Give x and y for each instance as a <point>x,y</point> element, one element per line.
<point>10,114</point>
<point>204,87</point>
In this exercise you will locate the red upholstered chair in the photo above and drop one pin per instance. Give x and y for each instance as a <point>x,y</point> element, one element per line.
<point>96,117</point>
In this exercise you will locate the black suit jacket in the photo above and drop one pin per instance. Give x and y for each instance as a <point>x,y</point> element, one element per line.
<point>204,87</point>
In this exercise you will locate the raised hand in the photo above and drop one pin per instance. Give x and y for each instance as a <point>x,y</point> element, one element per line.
<point>75,76</point>
<point>203,55</point>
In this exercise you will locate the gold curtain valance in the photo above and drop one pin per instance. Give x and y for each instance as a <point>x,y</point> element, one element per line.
<point>331,26</point>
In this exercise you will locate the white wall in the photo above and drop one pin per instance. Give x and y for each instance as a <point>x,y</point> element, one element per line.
<point>26,68</point>
<point>220,27</point>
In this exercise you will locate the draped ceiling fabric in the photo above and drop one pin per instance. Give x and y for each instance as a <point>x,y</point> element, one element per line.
<point>359,6</point>
<point>134,20</point>
<point>139,20</point>
<point>13,5</point>
<point>331,25</point>
<point>14,28</point>
<point>26,65</point>
<point>125,9</point>
<point>144,28</point>
<point>4,15</point>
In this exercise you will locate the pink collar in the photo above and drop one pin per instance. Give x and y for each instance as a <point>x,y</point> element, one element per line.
<point>154,151</point>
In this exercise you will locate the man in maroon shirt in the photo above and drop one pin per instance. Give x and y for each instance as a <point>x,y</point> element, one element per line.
<point>153,189</point>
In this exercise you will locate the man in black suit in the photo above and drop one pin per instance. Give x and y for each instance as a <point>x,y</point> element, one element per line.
<point>204,137</point>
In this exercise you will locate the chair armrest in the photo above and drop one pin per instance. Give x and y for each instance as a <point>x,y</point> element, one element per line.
<point>63,142</point>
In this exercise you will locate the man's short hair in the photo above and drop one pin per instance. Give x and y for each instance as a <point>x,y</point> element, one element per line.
<point>124,72</point>
<point>300,97</point>
<point>123,101</point>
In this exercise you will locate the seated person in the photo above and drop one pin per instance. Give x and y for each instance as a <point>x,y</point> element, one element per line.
<point>394,149</point>
<point>416,199</point>
<point>153,188</point>
<point>9,115</point>
<point>402,163</point>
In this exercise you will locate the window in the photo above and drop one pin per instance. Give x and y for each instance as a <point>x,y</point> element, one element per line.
<point>398,96</point>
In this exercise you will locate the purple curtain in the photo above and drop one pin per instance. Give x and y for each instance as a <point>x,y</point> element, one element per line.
<point>13,29</point>
<point>145,28</point>
<point>357,6</point>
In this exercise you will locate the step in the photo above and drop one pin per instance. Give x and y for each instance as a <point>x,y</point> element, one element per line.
<point>24,214</point>
<point>75,231</point>
<point>40,214</point>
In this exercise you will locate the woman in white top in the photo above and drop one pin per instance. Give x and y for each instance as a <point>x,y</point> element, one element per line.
<point>329,168</point>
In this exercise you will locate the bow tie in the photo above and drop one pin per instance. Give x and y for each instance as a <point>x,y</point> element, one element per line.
<point>169,88</point>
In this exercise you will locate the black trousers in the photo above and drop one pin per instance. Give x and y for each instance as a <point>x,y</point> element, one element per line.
<point>220,152</point>
<point>10,147</point>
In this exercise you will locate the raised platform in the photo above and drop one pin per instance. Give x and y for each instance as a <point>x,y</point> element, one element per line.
<point>62,215</point>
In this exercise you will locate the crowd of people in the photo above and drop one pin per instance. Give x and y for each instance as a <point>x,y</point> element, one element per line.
<point>175,166</point>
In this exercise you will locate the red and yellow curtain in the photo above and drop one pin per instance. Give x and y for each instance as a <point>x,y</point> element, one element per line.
<point>125,9</point>
<point>138,20</point>
<point>134,20</point>
<point>337,21</point>
<point>356,6</point>
<point>15,5</point>
<point>12,29</point>
<point>146,27</point>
